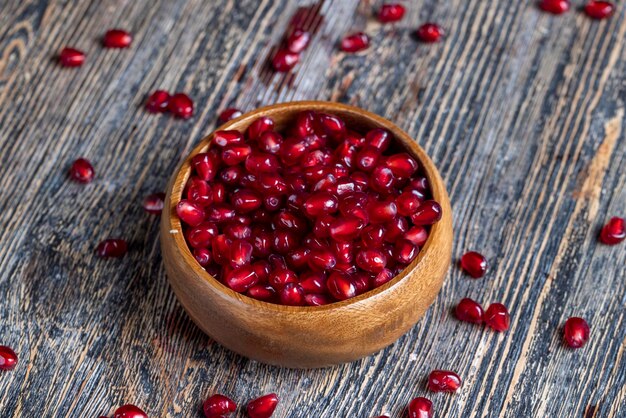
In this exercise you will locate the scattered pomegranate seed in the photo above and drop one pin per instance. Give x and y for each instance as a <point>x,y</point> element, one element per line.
<point>429,33</point>
<point>443,381</point>
<point>129,411</point>
<point>556,7</point>
<point>153,203</point>
<point>117,38</point>
<point>474,264</point>
<point>82,171</point>
<point>158,102</point>
<point>229,114</point>
<point>262,407</point>
<point>576,332</point>
<point>70,57</point>
<point>8,358</point>
<point>391,12</point>
<point>420,408</point>
<point>284,60</point>
<point>613,232</point>
<point>181,106</point>
<point>112,248</point>
<point>218,406</point>
<point>355,42</point>
<point>469,311</point>
<point>599,9</point>
<point>298,41</point>
<point>497,317</point>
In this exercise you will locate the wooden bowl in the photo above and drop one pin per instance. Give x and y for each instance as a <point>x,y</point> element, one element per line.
<point>307,337</point>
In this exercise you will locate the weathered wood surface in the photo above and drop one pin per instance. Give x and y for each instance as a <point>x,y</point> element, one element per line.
<point>522,111</point>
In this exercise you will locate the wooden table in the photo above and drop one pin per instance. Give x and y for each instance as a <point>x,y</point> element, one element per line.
<point>522,111</point>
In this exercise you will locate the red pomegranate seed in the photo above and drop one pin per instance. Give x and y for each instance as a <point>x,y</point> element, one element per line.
<point>298,41</point>
<point>382,179</point>
<point>340,286</point>
<point>279,277</point>
<point>242,278</point>
<point>320,203</point>
<point>229,114</point>
<point>355,42</point>
<point>240,253</point>
<point>225,138</point>
<point>613,232</point>
<point>70,57</point>
<point>205,167</point>
<point>218,406</point>
<point>382,212</point>
<point>556,7</point>
<point>321,260</point>
<point>181,105</point>
<point>8,358</point>
<point>371,260</point>
<point>391,12</point>
<point>402,165</point>
<point>82,171</point>
<point>153,203</point>
<point>259,126</point>
<point>417,235</point>
<point>313,299</point>
<point>497,317</point>
<point>262,407</point>
<point>129,411</point>
<point>220,213</point>
<point>292,294</point>
<point>474,264</point>
<point>202,235</point>
<point>420,408</point>
<point>190,213</point>
<point>199,192</point>
<point>158,102</point>
<point>221,249</point>
<point>429,33</point>
<point>331,125</point>
<point>112,248</point>
<point>379,139</point>
<point>443,381</point>
<point>469,311</point>
<point>203,256</point>
<point>235,154</point>
<point>313,281</point>
<point>245,201</point>
<point>428,213</point>
<point>367,158</point>
<point>238,231</point>
<point>576,332</point>
<point>270,142</point>
<point>265,293</point>
<point>284,60</point>
<point>373,236</point>
<point>405,251</point>
<point>408,203</point>
<point>260,162</point>
<point>345,229</point>
<point>117,38</point>
<point>382,277</point>
<point>599,9</point>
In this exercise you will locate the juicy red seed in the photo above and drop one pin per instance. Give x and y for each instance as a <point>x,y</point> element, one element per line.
<point>205,166</point>
<point>405,251</point>
<point>469,311</point>
<point>284,241</point>
<point>202,235</point>
<point>221,249</point>
<point>382,277</point>
<point>181,105</point>
<point>117,38</point>
<point>378,138</point>
<point>402,165</point>
<point>292,151</point>
<point>320,203</point>
<point>298,41</point>
<point>382,212</point>
<point>229,114</point>
<point>8,358</point>
<point>265,293</point>
<point>346,229</point>
<point>279,277</point>
<point>70,57</point>
<point>391,12</point>
<point>112,248</point>
<point>556,7</point>
<point>497,317</point>
<point>428,213</point>
<point>284,60</point>
<point>429,33</point>
<point>443,381</point>
<point>270,142</point>
<point>373,236</point>
<point>238,231</point>
<point>242,278</point>
<point>199,192</point>
<point>262,407</point>
<point>286,219</point>
<point>129,411</point>
<point>313,281</point>
<point>367,158</point>
<point>240,253</point>
<point>224,138</point>
<point>82,171</point>
<point>298,259</point>
<point>420,408</point>
<point>382,179</point>
<point>158,102</point>
<point>417,235</point>
<point>322,260</point>
<point>340,286</point>
<point>259,126</point>
<point>408,203</point>
<point>262,244</point>
<point>316,299</point>
<point>260,162</point>
<point>370,260</point>
<point>235,154</point>
<point>220,213</point>
<point>190,213</point>
<point>395,229</point>
<point>292,294</point>
<point>232,175</point>
<point>202,256</point>
<point>576,332</point>
<point>322,226</point>
<point>355,42</point>
<point>599,9</point>
<point>474,264</point>
<point>613,232</point>
<point>218,406</point>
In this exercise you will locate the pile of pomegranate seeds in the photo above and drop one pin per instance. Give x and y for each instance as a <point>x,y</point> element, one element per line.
<point>429,33</point>
<point>70,57</point>
<point>8,358</point>
<point>129,411</point>
<point>443,381</point>
<point>112,248</point>
<point>391,12</point>
<point>262,407</point>
<point>117,38</point>
<point>420,408</point>
<point>474,264</point>
<point>576,332</point>
<point>613,232</point>
<point>315,214</point>
<point>82,171</point>
<point>229,114</point>
<point>179,104</point>
<point>218,406</point>
<point>355,42</point>
<point>289,54</point>
<point>154,203</point>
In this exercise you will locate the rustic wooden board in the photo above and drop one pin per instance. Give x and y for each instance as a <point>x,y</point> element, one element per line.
<point>522,111</point>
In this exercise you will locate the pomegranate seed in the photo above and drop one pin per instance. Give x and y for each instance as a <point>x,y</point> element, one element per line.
<point>259,126</point>
<point>218,406</point>
<point>260,162</point>
<point>443,381</point>
<point>229,114</point>
<point>221,249</point>
<point>405,251</point>
<point>242,278</point>
<point>205,167</point>
<point>158,102</point>
<point>379,139</point>
<point>382,179</point>
<point>70,57</point>
<point>346,229</point>
<point>613,232</point>
<point>417,235</point>
<point>372,236</point>
<point>220,213</point>
<point>429,33</point>
<point>238,231</point>
<point>202,256</point>
<point>279,277</point>
<point>202,235</point>
<point>340,286</point>
<point>235,154</point>
<point>382,212</point>
<point>292,294</point>
<point>190,213</point>
<point>391,12</point>
<point>181,105</point>
<point>270,142</point>
<point>284,60</point>
<point>320,203</point>
<point>117,38</point>
<point>355,42</point>
<point>313,281</point>
<point>262,407</point>
<point>199,192</point>
<point>576,332</point>
<point>475,264</point>
<point>298,259</point>
<point>373,261</point>
<point>556,7</point>
<point>428,213</point>
<point>82,171</point>
<point>112,248</point>
<point>599,9</point>
<point>321,260</point>
<point>129,411</point>
<point>8,358</point>
<point>265,293</point>
<point>401,165</point>
<point>382,277</point>
<point>240,253</point>
<point>313,299</point>
<point>469,311</point>
<point>497,317</point>
<point>408,203</point>
<point>367,158</point>
<point>298,41</point>
<point>224,138</point>
<point>420,408</point>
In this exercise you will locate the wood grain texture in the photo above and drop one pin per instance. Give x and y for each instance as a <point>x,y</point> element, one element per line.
<point>523,113</point>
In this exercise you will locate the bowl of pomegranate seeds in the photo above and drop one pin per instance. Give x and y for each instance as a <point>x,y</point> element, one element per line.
<point>306,234</point>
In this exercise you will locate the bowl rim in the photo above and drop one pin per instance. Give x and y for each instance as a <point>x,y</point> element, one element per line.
<point>178,180</point>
